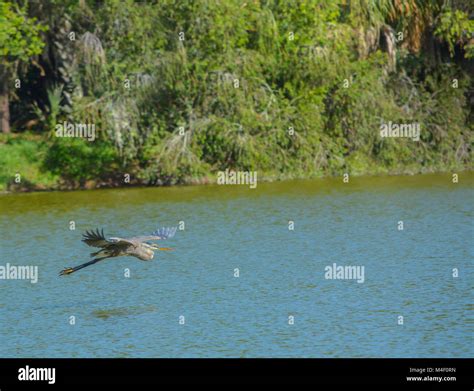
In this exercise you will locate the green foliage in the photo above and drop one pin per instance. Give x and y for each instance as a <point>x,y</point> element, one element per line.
<point>80,160</point>
<point>47,117</point>
<point>178,90</point>
<point>455,27</point>
<point>19,35</point>
<point>24,155</point>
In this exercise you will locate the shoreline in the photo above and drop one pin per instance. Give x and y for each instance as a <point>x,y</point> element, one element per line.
<point>212,180</point>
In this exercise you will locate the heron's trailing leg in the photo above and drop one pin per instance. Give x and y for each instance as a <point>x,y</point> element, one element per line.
<point>70,270</point>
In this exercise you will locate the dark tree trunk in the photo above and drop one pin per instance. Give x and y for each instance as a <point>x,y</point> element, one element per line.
<point>4,102</point>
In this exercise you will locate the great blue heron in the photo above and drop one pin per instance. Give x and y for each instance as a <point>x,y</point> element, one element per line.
<point>116,247</point>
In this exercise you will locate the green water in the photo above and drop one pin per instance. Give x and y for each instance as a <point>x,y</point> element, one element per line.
<point>282,274</point>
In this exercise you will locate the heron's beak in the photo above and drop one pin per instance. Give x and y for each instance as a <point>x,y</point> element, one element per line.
<point>162,248</point>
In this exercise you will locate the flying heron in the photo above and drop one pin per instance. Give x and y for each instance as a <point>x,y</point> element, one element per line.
<point>115,247</point>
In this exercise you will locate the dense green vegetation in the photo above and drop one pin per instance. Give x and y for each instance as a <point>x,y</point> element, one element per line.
<point>178,90</point>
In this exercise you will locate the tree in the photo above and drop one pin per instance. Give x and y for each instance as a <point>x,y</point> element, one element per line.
<point>20,41</point>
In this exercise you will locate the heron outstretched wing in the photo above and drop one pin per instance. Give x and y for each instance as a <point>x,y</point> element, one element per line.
<point>95,238</point>
<point>122,242</point>
<point>160,234</point>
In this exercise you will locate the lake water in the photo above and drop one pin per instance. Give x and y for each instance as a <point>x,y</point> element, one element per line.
<point>282,272</point>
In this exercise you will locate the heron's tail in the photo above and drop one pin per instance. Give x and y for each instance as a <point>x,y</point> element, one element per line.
<point>69,270</point>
